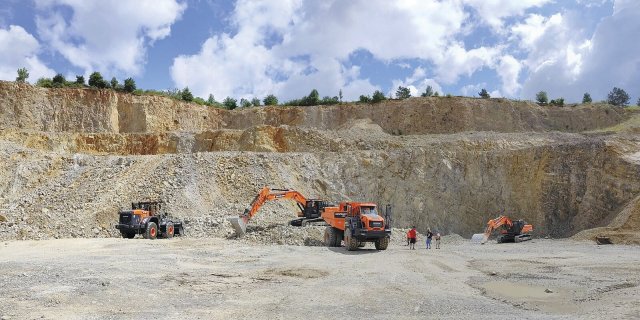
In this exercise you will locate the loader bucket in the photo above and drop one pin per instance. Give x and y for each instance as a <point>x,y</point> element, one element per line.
<point>238,224</point>
<point>478,238</point>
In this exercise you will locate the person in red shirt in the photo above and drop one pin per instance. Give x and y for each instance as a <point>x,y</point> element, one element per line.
<point>412,235</point>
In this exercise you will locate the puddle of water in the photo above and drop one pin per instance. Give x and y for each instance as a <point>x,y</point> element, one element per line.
<point>557,301</point>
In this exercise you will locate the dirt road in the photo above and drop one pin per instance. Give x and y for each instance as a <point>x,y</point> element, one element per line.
<point>225,279</point>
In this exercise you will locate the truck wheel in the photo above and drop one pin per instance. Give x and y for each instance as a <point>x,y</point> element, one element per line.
<point>332,237</point>
<point>127,234</point>
<point>382,243</point>
<point>169,230</point>
<point>152,231</point>
<point>349,241</point>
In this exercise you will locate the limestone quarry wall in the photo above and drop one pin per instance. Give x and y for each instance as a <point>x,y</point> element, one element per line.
<point>91,111</point>
<point>73,157</point>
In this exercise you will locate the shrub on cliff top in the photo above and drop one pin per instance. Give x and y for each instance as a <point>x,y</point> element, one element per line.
<point>23,74</point>
<point>96,80</point>
<point>378,96</point>
<point>129,85</point>
<point>618,97</point>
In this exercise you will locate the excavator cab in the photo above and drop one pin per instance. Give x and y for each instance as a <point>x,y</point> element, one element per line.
<point>313,208</point>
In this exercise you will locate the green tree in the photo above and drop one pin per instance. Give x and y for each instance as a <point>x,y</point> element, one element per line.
<point>484,94</point>
<point>313,99</point>
<point>436,94</point>
<point>245,103</point>
<point>270,100</point>
<point>365,99</point>
<point>114,83</point>
<point>638,103</point>
<point>255,102</point>
<point>618,97</point>
<point>44,83</point>
<point>58,81</point>
<point>557,102</point>
<point>541,97</point>
<point>230,103</point>
<point>586,98</point>
<point>23,74</point>
<point>80,80</point>
<point>186,95</point>
<point>403,92</point>
<point>211,100</point>
<point>326,100</point>
<point>427,92</point>
<point>96,80</point>
<point>378,96</point>
<point>129,85</point>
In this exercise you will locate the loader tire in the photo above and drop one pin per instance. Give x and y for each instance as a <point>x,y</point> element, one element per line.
<point>382,243</point>
<point>152,231</point>
<point>169,231</point>
<point>350,242</point>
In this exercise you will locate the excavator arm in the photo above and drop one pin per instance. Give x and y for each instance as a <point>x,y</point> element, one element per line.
<point>266,194</point>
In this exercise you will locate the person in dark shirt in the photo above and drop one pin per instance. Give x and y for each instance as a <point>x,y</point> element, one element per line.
<point>429,236</point>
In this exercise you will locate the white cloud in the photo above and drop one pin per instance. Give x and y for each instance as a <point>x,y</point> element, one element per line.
<point>457,61</point>
<point>19,49</point>
<point>596,64</point>
<point>508,71</point>
<point>106,35</point>
<point>493,12</point>
<point>317,37</point>
<point>290,47</point>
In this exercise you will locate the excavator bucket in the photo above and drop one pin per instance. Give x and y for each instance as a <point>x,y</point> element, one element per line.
<point>238,224</point>
<point>478,238</point>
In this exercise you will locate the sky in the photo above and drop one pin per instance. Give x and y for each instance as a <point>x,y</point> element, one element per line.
<point>251,48</point>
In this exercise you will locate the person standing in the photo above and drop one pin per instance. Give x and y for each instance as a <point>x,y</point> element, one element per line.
<point>412,238</point>
<point>437,237</point>
<point>429,236</point>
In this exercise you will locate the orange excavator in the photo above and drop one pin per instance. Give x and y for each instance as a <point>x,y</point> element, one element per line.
<point>310,209</point>
<point>510,231</point>
<point>357,223</point>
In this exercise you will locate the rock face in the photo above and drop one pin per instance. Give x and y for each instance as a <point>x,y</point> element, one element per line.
<point>73,157</point>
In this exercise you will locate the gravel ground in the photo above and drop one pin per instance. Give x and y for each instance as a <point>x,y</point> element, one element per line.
<point>222,279</point>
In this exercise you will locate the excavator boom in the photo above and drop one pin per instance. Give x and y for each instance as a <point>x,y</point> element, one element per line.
<point>239,223</point>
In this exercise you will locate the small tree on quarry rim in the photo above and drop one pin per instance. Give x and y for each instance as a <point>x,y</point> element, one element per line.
<point>403,92</point>
<point>618,97</point>
<point>542,98</point>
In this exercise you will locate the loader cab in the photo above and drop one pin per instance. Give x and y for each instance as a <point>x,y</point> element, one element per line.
<point>152,208</point>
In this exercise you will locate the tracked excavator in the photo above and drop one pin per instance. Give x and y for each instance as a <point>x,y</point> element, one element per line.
<point>357,223</point>
<point>510,231</point>
<point>310,209</point>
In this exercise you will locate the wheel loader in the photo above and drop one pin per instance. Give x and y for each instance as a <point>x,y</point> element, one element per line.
<point>149,219</point>
<point>357,223</point>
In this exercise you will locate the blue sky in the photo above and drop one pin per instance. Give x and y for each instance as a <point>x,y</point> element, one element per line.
<point>246,49</point>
